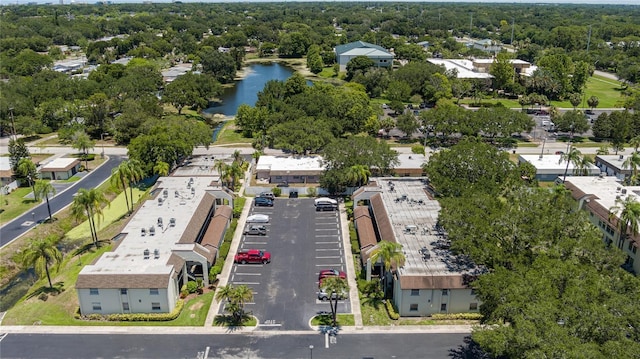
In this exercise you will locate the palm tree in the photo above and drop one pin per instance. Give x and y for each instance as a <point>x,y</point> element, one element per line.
<point>40,254</point>
<point>632,162</point>
<point>635,143</point>
<point>236,298</point>
<point>574,156</point>
<point>390,254</point>
<point>627,213</point>
<point>334,285</point>
<point>583,166</point>
<point>358,174</point>
<point>27,169</point>
<point>89,203</point>
<point>83,143</point>
<point>603,149</point>
<point>44,188</point>
<point>221,168</point>
<point>234,171</point>
<point>134,174</point>
<point>237,157</point>
<point>161,168</point>
<point>120,180</point>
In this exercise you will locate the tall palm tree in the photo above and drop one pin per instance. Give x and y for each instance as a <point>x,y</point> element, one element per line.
<point>627,213</point>
<point>390,254</point>
<point>358,175</point>
<point>27,169</point>
<point>237,157</point>
<point>574,156</point>
<point>335,285</point>
<point>83,143</point>
<point>44,189</point>
<point>236,298</point>
<point>583,166</point>
<point>89,203</point>
<point>134,173</point>
<point>40,254</point>
<point>221,167</point>
<point>120,180</point>
<point>234,171</point>
<point>635,143</point>
<point>632,162</point>
<point>161,168</point>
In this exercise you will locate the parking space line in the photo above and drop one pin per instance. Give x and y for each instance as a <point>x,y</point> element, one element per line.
<point>245,283</point>
<point>329,265</point>
<point>327,249</point>
<point>255,243</point>
<point>326,235</point>
<point>327,257</point>
<point>325,229</point>
<point>326,242</point>
<point>238,273</point>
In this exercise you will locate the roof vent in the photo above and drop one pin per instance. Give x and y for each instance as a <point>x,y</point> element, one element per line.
<point>602,174</point>
<point>146,254</point>
<point>621,157</point>
<point>152,231</point>
<point>182,203</point>
<point>172,222</point>
<point>624,191</point>
<point>156,253</point>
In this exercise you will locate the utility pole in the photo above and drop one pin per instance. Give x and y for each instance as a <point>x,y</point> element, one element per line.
<point>589,39</point>
<point>13,125</point>
<point>471,24</point>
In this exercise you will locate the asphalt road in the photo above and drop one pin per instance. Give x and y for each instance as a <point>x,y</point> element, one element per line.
<point>27,221</point>
<point>302,242</point>
<point>254,346</point>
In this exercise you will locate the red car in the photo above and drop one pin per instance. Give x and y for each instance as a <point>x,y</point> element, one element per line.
<point>331,273</point>
<point>252,256</point>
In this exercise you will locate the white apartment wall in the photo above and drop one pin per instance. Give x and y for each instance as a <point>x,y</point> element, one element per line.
<point>429,301</point>
<point>140,300</point>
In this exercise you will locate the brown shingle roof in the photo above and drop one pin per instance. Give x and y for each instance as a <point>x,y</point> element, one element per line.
<point>215,232</point>
<point>434,282</point>
<point>382,219</point>
<point>176,262</point>
<point>122,281</point>
<point>366,234</point>
<point>196,223</point>
<point>208,253</point>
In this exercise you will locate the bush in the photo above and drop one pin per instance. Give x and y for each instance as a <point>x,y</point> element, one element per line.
<point>370,288</point>
<point>277,191</point>
<point>393,314</point>
<point>43,297</point>
<point>192,286</point>
<point>224,249</point>
<point>312,191</point>
<point>457,316</point>
<point>142,317</point>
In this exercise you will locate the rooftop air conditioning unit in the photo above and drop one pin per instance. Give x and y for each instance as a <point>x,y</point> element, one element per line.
<point>602,174</point>
<point>160,200</point>
<point>156,253</point>
<point>618,189</point>
<point>193,191</point>
<point>172,222</point>
<point>165,193</point>
<point>152,231</point>
<point>624,191</point>
<point>159,221</point>
<point>146,254</point>
<point>143,232</point>
<point>621,157</point>
<point>176,194</point>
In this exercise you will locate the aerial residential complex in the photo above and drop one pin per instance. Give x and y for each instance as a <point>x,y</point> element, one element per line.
<point>432,280</point>
<point>172,238</point>
<point>597,196</point>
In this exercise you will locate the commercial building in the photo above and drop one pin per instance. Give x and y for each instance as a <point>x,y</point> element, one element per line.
<point>380,56</point>
<point>289,169</point>
<point>172,238</point>
<point>433,279</point>
<point>410,165</point>
<point>614,165</point>
<point>550,167</point>
<point>479,68</point>
<point>60,168</point>
<point>601,197</point>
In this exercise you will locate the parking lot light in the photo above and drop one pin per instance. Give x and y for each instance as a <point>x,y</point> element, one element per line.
<point>310,351</point>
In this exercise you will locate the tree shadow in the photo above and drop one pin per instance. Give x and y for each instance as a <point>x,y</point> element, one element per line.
<point>232,323</point>
<point>469,350</point>
<point>374,302</point>
<point>57,289</point>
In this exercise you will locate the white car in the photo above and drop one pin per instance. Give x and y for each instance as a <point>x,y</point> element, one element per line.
<point>323,295</point>
<point>258,218</point>
<point>325,200</point>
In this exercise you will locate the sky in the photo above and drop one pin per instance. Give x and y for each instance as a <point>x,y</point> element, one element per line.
<point>598,2</point>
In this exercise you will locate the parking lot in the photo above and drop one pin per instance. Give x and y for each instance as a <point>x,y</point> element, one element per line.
<point>302,242</point>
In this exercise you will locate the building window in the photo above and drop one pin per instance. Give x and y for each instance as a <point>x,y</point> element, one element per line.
<point>634,250</point>
<point>94,291</point>
<point>413,308</point>
<point>155,306</point>
<point>445,292</point>
<point>443,307</point>
<point>153,291</point>
<point>415,292</point>
<point>125,306</point>
<point>123,291</point>
<point>473,306</point>
<point>96,306</point>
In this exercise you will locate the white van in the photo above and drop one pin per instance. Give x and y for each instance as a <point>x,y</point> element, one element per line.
<point>325,201</point>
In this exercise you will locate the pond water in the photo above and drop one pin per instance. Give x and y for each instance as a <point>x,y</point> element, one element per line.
<point>246,90</point>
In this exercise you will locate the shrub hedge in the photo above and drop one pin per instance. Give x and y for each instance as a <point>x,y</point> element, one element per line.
<point>457,316</point>
<point>393,314</point>
<point>147,317</point>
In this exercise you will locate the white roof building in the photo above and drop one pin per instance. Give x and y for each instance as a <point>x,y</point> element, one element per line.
<point>290,169</point>
<point>550,167</point>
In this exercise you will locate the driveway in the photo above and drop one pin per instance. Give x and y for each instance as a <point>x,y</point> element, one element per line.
<point>302,242</point>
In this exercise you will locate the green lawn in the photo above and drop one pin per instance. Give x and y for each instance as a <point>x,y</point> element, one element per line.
<point>116,210</point>
<point>229,135</point>
<point>15,204</point>
<point>342,319</point>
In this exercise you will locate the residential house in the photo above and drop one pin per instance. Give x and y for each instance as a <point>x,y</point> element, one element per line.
<point>613,165</point>
<point>380,56</point>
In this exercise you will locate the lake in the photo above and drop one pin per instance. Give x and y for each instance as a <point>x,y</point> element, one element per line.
<point>246,90</point>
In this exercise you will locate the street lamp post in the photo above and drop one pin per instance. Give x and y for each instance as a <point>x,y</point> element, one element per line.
<point>544,140</point>
<point>102,142</point>
<point>310,351</point>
